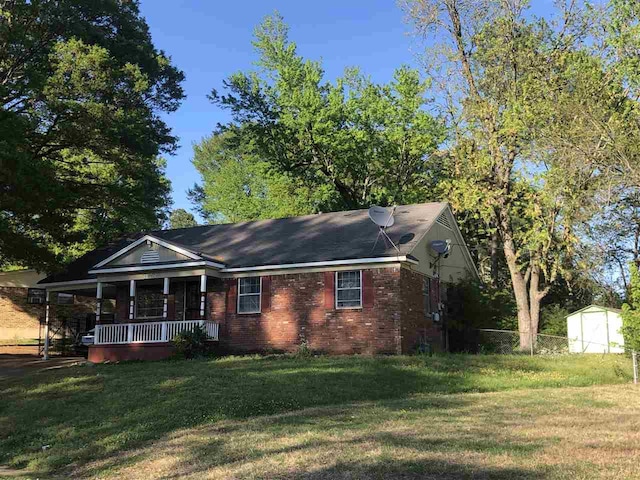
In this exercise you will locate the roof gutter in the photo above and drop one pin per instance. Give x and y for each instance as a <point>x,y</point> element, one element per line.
<point>329,263</point>
<point>88,281</point>
<point>165,266</point>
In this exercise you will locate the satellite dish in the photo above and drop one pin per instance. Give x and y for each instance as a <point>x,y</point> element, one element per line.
<point>381,216</point>
<point>441,247</point>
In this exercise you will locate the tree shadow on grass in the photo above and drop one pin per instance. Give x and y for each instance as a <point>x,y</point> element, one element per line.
<point>89,415</point>
<point>355,430</point>
<point>423,469</point>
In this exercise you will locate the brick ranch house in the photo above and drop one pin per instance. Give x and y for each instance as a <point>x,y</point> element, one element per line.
<point>269,285</point>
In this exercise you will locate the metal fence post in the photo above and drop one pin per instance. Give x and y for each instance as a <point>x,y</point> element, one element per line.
<point>531,340</point>
<point>634,357</point>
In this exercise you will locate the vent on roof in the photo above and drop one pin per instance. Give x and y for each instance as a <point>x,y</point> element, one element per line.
<point>150,256</point>
<point>443,220</point>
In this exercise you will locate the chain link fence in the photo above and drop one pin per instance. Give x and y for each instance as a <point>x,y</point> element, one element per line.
<point>507,342</point>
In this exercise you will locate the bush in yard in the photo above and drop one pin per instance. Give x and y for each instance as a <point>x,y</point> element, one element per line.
<point>303,350</point>
<point>553,320</point>
<point>631,312</point>
<point>191,344</point>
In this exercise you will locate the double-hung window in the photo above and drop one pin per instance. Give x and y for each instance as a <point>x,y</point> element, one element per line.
<point>36,296</point>
<point>64,299</point>
<point>349,289</point>
<point>249,294</point>
<point>149,302</point>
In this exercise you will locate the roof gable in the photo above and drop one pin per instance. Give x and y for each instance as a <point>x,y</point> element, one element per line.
<point>458,263</point>
<point>147,250</point>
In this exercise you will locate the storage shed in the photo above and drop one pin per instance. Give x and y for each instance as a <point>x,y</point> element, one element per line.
<point>595,329</point>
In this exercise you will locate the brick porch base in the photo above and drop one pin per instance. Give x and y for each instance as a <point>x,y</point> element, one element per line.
<point>135,351</point>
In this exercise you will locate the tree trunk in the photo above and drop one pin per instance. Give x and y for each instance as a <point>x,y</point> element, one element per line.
<point>535,297</point>
<point>518,280</point>
<point>519,284</point>
<point>494,252</point>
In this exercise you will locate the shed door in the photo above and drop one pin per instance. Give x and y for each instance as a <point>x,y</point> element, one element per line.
<point>594,332</point>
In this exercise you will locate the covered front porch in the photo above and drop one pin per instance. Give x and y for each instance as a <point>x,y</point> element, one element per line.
<point>143,311</point>
<point>146,292</point>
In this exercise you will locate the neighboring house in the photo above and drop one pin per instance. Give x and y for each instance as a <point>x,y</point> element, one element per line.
<point>595,329</point>
<point>22,307</point>
<point>269,285</point>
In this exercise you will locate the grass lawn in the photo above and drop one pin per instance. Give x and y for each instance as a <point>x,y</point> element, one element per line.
<point>452,416</point>
<point>19,341</point>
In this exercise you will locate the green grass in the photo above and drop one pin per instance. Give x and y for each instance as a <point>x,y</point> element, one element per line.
<point>19,341</point>
<point>100,420</point>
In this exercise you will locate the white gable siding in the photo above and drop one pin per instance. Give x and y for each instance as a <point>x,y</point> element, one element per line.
<point>453,268</point>
<point>148,254</point>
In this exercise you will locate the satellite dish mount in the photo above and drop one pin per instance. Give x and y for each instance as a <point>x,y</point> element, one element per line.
<point>442,248</point>
<point>384,219</point>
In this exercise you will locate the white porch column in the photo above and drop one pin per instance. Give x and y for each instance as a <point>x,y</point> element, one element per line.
<point>203,295</point>
<point>132,299</point>
<point>98,302</point>
<point>46,325</point>
<point>165,298</point>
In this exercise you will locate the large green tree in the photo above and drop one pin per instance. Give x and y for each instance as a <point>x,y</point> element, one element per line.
<point>351,142</point>
<point>513,83</point>
<point>180,218</point>
<point>631,311</point>
<point>81,88</point>
<point>238,186</point>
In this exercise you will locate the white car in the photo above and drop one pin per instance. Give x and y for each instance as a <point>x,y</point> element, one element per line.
<point>89,338</point>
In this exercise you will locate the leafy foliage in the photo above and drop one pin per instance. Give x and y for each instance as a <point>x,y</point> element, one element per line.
<point>80,134</point>
<point>553,320</point>
<point>631,312</point>
<point>180,218</point>
<point>332,146</point>
<point>238,186</point>
<point>522,166</point>
<point>480,306</point>
<point>191,343</point>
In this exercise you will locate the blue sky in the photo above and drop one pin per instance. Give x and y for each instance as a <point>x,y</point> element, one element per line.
<point>209,40</point>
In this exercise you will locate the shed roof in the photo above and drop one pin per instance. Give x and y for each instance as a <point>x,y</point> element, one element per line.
<point>599,307</point>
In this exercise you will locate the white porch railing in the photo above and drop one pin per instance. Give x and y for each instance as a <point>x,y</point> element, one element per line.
<point>150,332</point>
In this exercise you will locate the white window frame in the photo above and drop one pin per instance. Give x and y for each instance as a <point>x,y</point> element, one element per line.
<point>238,295</point>
<point>71,300</point>
<point>335,292</point>
<point>137,305</point>
<point>36,296</point>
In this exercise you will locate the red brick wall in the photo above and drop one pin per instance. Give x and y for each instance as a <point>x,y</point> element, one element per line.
<point>116,353</point>
<point>416,325</point>
<point>216,300</point>
<point>392,321</point>
<point>298,312</point>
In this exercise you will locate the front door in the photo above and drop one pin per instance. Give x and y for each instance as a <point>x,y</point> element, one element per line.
<point>192,301</point>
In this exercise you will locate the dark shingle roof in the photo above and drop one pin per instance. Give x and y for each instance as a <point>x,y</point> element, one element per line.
<point>311,238</point>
